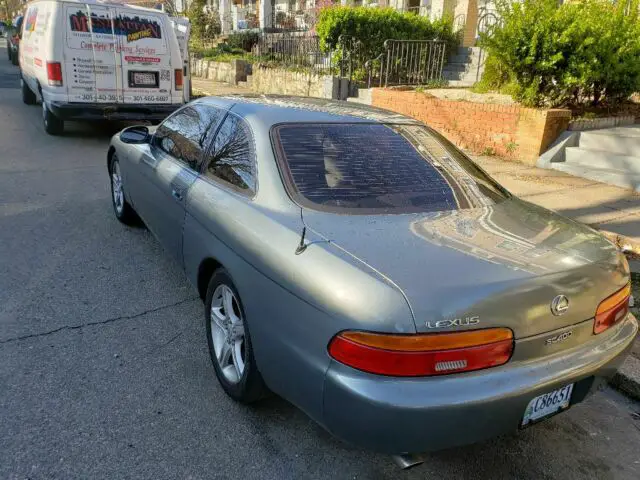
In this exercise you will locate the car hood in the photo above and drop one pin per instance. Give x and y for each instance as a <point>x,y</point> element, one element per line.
<point>500,265</point>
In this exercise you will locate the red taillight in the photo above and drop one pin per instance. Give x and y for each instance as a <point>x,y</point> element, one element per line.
<point>612,309</point>
<point>423,355</point>
<point>54,74</point>
<point>178,78</point>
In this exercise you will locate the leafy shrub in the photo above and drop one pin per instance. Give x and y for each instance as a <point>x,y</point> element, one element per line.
<point>495,77</point>
<point>205,21</point>
<point>224,53</point>
<point>243,40</point>
<point>372,26</point>
<point>572,53</point>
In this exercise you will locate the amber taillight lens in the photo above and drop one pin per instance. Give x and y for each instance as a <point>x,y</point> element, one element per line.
<point>612,309</point>
<point>178,80</point>
<point>54,74</point>
<point>419,355</point>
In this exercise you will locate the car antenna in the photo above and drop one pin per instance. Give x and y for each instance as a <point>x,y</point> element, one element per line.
<point>302,246</point>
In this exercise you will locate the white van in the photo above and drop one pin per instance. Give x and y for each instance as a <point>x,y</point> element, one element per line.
<point>99,60</point>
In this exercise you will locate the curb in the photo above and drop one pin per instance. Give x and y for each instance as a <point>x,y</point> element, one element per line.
<point>627,379</point>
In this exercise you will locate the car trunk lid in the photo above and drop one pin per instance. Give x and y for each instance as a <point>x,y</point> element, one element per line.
<point>500,265</point>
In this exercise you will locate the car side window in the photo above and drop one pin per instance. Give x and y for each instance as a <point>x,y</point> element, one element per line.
<point>184,135</point>
<point>232,156</point>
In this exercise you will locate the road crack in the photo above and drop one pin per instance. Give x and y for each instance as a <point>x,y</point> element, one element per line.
<point>102,322</point>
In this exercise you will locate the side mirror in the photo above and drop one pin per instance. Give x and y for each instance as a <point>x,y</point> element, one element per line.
<point>137,134</point>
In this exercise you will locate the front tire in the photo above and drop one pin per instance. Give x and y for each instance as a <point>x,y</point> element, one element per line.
<point>53,125</point>
<point>28,97</point>
<point>124,212</point>
<point>229,341</point>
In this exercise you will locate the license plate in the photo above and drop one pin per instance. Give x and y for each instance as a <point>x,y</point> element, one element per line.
<point>143,79</point>
<point>547,404</point>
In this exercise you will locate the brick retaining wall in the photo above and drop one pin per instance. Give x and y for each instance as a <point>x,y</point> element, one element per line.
<point>508,130</point>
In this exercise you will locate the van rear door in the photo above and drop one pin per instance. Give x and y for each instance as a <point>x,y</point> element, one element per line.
<point>147,72</point>
<point>182,28</point>
<point>93,62</point>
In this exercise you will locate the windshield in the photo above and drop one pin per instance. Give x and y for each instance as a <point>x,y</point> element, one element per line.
<point>375,168</point>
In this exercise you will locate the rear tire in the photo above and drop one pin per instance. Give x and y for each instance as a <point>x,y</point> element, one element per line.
<point>123,211</point>
<point>28,97</point>
<point>229,341</point>
<point>52,125</point>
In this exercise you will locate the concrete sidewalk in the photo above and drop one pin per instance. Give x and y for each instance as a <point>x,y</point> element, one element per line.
<point>601,206</point>
<point>204,86</point>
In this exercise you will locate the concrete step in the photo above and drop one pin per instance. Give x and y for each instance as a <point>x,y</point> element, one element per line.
<point>466,76</point>
<point>600,159</point>
<point>461,83</point>
<point>468,51</point>
<point>460,67</point>
<point>603,175</point>
<point>466,58</point>
<point>621,140</point>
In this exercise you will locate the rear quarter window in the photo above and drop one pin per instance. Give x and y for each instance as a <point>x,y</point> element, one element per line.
<point>376,168</point>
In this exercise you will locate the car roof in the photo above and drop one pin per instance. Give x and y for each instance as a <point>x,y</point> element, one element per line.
<point>274,109</point>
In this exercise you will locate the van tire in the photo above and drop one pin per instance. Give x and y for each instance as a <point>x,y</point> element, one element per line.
<point>52,125</point>
<point>28,97</point>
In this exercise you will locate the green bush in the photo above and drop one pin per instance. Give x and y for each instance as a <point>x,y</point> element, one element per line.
<point>243,40</point>
<point>372,26</point>
<point>572,53</point>
<point>205,22</point>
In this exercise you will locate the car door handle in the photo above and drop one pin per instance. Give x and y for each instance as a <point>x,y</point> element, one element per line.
<point>176,194</point>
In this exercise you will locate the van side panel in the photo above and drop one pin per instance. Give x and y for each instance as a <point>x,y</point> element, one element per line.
<point>35,45</point>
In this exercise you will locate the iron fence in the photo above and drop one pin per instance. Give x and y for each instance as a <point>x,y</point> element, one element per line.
<point>293,50</point>
<point>289,20</point>
<point>407,62</point>
<point>486,23</point>
<point>459,22</point>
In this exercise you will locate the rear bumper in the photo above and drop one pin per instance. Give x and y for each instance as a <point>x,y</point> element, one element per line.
<point>111,111</point>
<point>400,415</point>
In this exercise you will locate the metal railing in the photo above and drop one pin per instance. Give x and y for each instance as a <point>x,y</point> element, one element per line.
<point>407,62</point>
<point>487,21</point>
<point>293,50</point>
<point>246,17</point>
<point>459,22</point>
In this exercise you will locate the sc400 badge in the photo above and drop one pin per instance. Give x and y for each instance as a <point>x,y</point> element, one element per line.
<point>456,322</point>
<point>558,338</point>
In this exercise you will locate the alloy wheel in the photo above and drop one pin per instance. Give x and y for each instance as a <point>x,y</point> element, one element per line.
<point>227,333</point>
<point>116,188</point>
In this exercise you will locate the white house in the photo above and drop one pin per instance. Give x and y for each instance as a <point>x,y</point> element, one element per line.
<point>238,15</point>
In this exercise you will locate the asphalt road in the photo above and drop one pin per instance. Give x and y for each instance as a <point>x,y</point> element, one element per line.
<point>104,371</point>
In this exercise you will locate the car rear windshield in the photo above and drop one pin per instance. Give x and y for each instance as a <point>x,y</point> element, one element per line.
<point>376,168</point>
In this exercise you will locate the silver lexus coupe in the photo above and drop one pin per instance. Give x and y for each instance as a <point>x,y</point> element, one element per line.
<point>356,263</point>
